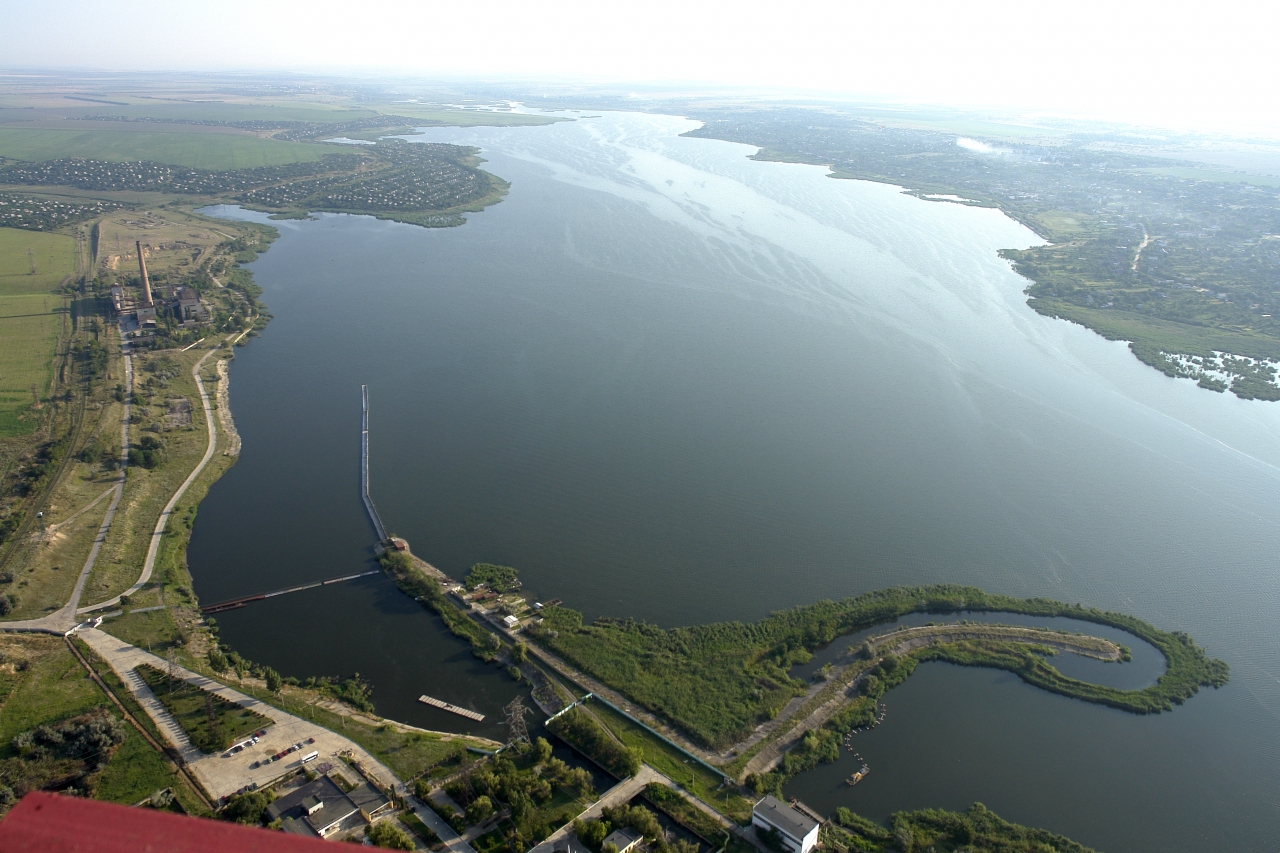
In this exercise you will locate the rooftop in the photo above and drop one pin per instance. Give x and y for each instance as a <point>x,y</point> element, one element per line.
<point>622,839</point>
<point>787,819</point>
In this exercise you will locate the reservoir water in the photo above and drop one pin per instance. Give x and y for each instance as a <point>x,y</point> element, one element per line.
<point>669,382</point>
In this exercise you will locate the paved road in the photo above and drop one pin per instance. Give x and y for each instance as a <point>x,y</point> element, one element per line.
<point>452,841</point>
<point>222,776</point>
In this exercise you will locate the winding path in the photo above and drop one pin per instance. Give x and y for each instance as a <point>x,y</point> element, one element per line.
<point>906,640</point>
<point>63,619</point>
<point>163,521</point>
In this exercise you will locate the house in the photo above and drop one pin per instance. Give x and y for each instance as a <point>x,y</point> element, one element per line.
<point>623,839</point>
<point>321,808</point>
<point>798,831</point>
<point>510,622</point>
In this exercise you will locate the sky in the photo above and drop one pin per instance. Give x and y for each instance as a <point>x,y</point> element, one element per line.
<point>1190,65</point>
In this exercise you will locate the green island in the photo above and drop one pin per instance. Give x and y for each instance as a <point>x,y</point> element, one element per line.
<point>1175,258</point>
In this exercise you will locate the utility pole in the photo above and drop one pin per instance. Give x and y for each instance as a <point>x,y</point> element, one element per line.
<point>516,729</point>
<point>172,658</point>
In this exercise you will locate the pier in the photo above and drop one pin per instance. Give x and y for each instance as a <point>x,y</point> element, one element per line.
<point>241,602</point>
<point>461,712</point>
<point>364,468</point>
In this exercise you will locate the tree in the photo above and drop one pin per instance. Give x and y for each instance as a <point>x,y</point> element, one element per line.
<point>541,750</point>
<point>591,832</point>
<point>519,652</point>
<point>217,660</point>
<point>387,835</point>
<point>634,759</point>
<point>481,808</point>
<point>903,837</point>
<point>579,778</point>
<point>273,679</point>
<point>773,839</point>
<point>246,808</point>
<point>638,818</point>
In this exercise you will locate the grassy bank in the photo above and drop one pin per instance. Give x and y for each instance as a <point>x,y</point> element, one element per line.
<point>426,589</point>
<point>675,765</point>
<point>717,682</point>
<point>978,829</point>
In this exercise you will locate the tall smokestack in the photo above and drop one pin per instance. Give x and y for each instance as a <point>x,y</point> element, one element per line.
<point>146,283</point>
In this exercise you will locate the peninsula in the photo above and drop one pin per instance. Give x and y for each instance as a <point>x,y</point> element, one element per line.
<point>1171,255</point>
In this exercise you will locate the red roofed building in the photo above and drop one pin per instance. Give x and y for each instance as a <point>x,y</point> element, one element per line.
<point>50,823</point>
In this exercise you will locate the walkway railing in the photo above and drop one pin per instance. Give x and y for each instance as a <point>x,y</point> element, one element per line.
<point>364,468</point>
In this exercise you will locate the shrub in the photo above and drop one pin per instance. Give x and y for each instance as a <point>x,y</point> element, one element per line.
<point>481,809</point>
<point>247,808</point>
<point>389,836</point>
<point>591,832</point>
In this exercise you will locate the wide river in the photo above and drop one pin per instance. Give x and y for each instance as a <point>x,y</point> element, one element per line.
<point>669,382</point>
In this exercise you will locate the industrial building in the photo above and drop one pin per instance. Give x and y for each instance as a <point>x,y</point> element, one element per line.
<point>321,808</point>
<point>182,302</point>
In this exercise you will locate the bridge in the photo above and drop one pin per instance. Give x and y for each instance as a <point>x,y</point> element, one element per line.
<point>241,602</point>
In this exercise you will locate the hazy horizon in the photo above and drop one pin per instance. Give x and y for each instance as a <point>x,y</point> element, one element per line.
<point>1134,64</point>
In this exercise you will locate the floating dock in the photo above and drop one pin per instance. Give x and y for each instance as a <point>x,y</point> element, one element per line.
<point>461,712</point>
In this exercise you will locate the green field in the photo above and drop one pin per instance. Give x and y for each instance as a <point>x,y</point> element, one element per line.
<point>50,686</point>
<point>136,772</point>
<point>175,145</point>
<point>28,323</point>
<point>54,257</point>
<point>230,112</point>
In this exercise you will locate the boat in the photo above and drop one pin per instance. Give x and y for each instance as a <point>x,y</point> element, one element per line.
<point>859,776</point>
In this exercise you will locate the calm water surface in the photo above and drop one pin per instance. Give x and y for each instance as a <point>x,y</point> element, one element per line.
<point>669,382</point>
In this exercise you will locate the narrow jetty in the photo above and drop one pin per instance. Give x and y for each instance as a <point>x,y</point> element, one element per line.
<point>461,712</point>
<point>241,602</point>
<point>364,468</point>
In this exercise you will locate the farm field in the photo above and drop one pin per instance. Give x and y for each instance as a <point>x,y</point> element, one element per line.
<point>175,145</point>
<point>53,256</point>
<point>29,322</point>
